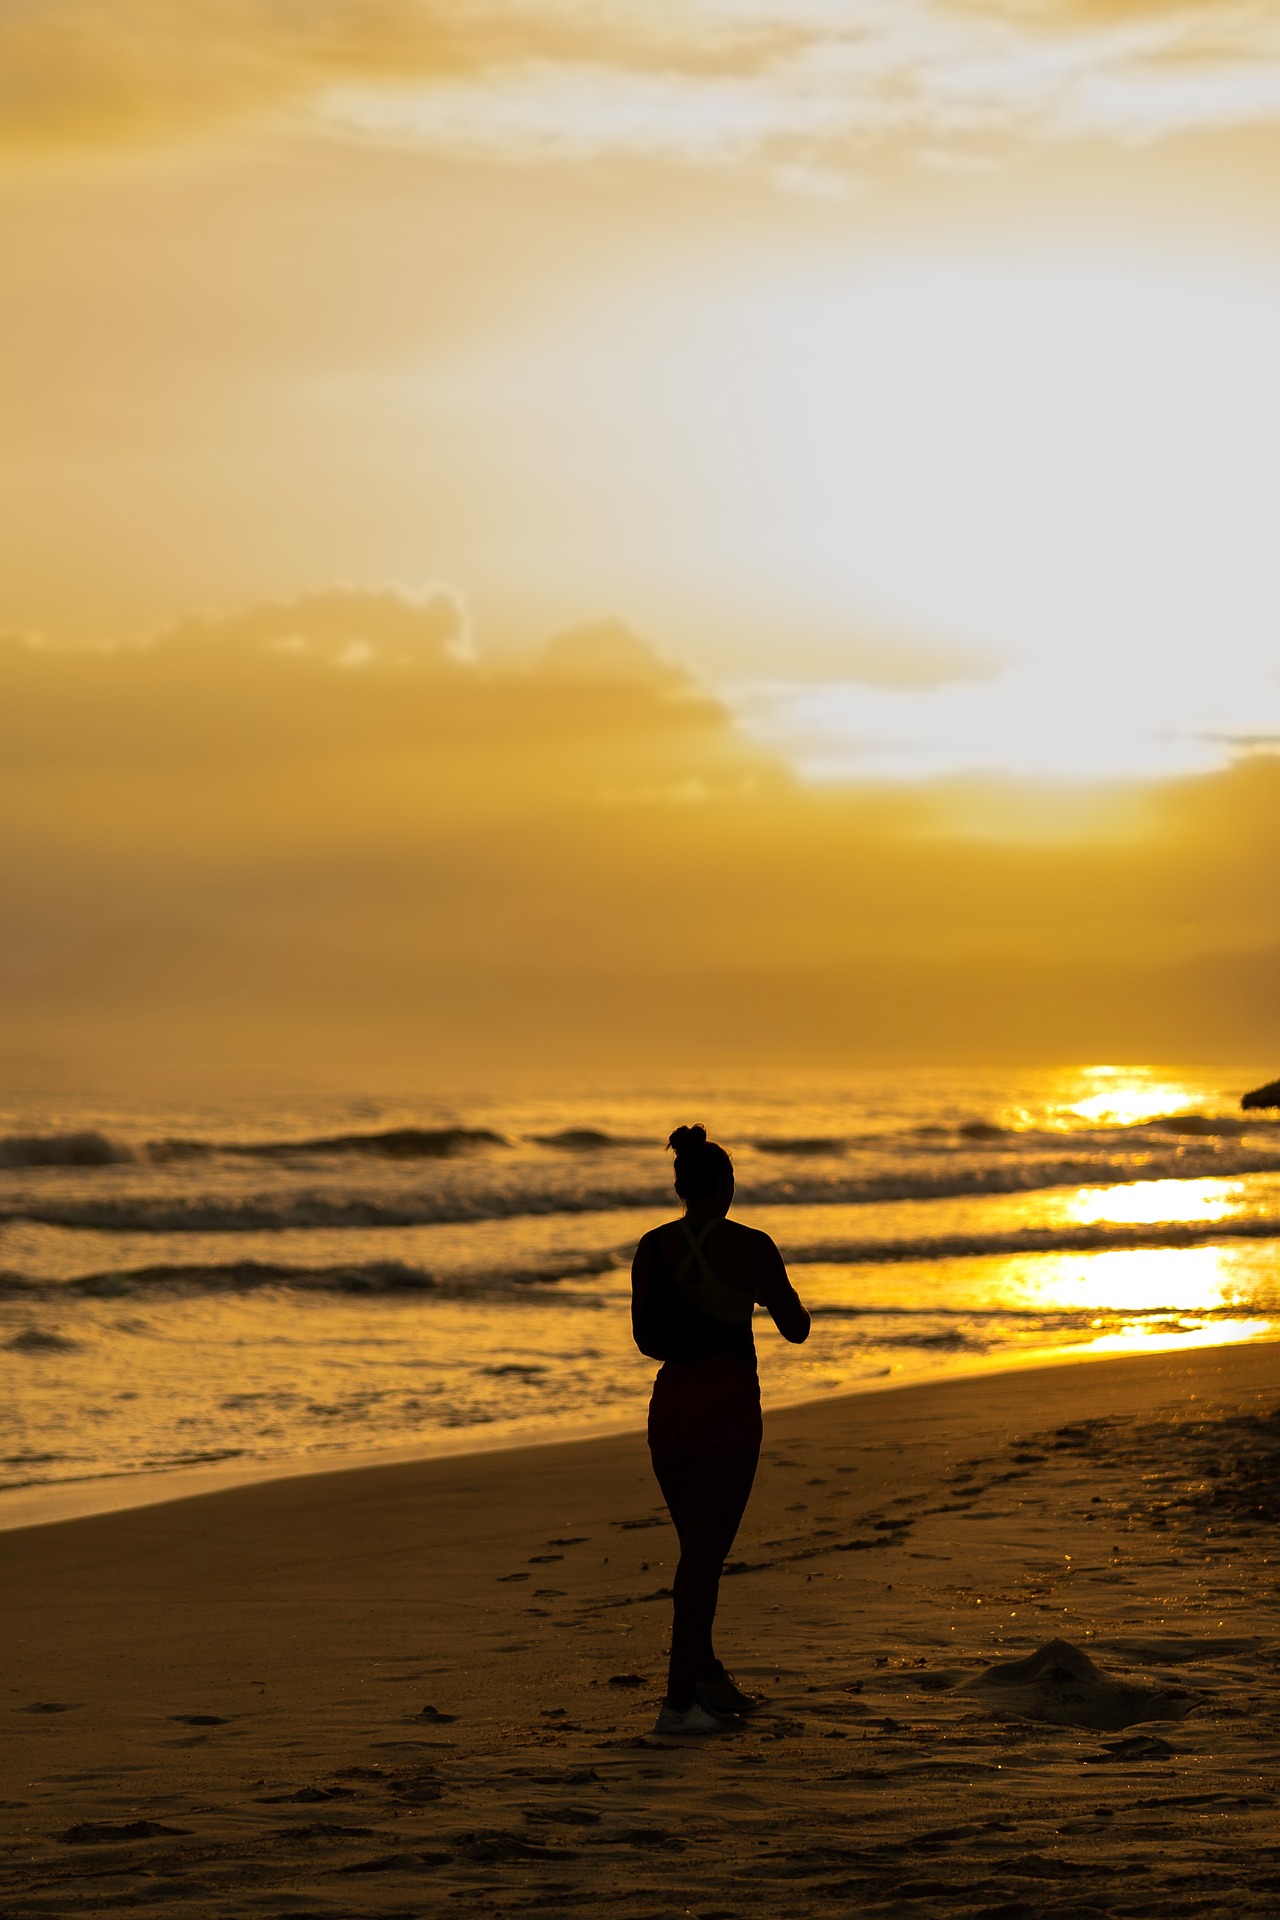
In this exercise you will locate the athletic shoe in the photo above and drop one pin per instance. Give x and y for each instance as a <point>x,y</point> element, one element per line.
<point>722,1695</point>
<point>694,1719</point>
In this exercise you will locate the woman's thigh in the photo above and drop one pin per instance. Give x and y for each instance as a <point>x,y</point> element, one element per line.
<point>719,1488</point>
<point>707,1494</point>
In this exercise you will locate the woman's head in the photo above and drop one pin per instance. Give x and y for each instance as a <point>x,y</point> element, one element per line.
<point>704,1170</point>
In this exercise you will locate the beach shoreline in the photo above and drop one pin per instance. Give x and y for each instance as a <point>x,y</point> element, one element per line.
<point>189,1298</point>
<point>51,1503</point>
<point>384,1688</point>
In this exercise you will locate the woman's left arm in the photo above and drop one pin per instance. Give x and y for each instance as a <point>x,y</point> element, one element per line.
<point>775,1292</point>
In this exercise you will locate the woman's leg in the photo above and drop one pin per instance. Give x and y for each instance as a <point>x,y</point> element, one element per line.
<point>673,1473</point>
<point>707,1496</point>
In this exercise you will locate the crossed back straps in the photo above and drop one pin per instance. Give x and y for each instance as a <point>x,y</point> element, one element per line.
<point>710,1295</point>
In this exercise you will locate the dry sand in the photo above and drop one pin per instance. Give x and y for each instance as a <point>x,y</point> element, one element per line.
<point>427,1688</point>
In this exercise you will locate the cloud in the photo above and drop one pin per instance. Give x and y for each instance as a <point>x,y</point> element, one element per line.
<point>238,836</point>
<point>798,83</point>
<point>76,71</point>
<point>371,693</point>
<point>343,627</point>
<point>607,653</point>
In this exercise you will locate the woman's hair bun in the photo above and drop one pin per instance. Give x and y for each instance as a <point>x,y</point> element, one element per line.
<point>702,1167</point>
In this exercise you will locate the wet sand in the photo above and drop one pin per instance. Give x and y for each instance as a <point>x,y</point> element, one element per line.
<point>1016,1635</point>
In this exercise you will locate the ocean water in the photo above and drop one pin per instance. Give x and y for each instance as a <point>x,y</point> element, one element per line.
<point>320,1275</point>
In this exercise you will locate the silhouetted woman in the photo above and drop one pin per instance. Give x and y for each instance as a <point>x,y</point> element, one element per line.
<point>694,1285</point>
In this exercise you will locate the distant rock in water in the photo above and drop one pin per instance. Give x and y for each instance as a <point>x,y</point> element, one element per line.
<point>981,1130</point>
<point>1268,1096</point>
<point>396,1143</point>
<point>1197,1124</point>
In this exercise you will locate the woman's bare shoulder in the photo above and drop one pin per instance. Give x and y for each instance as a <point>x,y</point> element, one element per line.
<point>649,1242</point>
<point>751,1242</point>
<point>668,1231</point>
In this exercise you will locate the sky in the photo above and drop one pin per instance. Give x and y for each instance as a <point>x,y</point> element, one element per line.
<point>757,498</point>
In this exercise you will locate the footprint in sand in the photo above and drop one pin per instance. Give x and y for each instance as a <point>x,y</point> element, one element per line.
<point>659,1839</point>
<point>385,1863</point>
<point>323,1830</point>
<point>305,1796</point>
<point>1139,1746</point>
<point>199,1719</point>
<point>1176,1649</point>
<point>564,1816</point>
<point>102,1833</point>
<point>50,1706</point>
<point>398,1863</point>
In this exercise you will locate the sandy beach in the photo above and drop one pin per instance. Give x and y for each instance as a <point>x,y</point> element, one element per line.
<point>428,1688</point>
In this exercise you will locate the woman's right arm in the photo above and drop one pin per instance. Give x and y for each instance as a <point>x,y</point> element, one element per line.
<point>646,1327</point>
<point>777,1295</point>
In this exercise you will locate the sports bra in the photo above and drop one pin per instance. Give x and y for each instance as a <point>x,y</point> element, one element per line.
<point>704,1290</point>
<point>693,1314</point>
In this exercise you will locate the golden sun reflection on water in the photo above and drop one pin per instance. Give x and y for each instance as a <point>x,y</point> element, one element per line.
<point>1149,1201</point>
<point>1127,1102</point>
<point>1127,1280</point>
<point>1143,1337</point>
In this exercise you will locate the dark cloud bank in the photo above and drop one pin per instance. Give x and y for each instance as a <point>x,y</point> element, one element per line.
<point>324,832</point>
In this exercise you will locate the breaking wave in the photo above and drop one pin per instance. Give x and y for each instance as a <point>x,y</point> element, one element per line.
<point>397,1277</point>
<point>392,1143</point>
<point>372,1277</point>
<point>62,1150</point>
<point>36,1340</point>
<point>802,1146</point>
<point>581,1140</point>
<point>94,1149</point>
<point>90,1148</point>
<point>525,1194</point>
<point>1103,1237</point>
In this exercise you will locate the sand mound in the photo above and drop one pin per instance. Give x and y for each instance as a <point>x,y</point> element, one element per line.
<point>1060,1683</point>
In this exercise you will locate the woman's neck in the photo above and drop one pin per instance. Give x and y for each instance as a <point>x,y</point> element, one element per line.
<point>702,1215</point>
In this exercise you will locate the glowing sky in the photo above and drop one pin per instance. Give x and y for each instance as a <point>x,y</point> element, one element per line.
<point>907,365</point>
<point>903,371</point>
